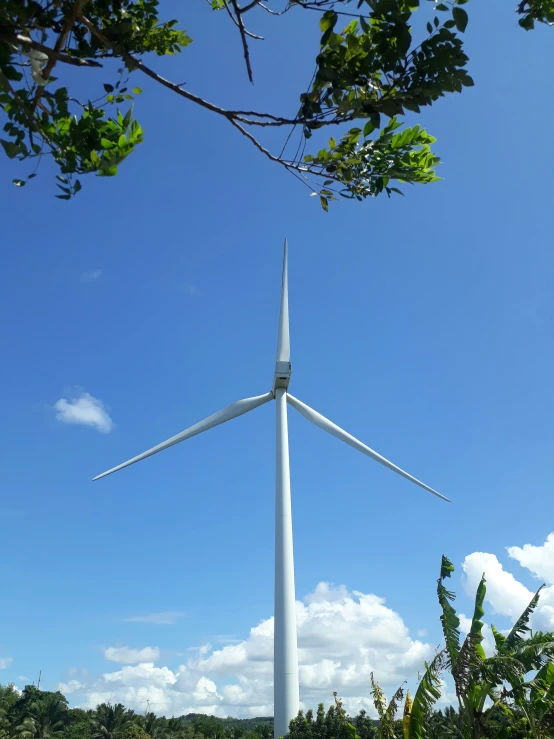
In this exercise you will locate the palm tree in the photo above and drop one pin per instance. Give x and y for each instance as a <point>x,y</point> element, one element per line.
<point>109,721</point>
<point>45,718</point>
<point>155,727</point>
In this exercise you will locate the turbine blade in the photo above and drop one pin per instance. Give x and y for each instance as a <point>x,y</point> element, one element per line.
<point>331,428</point>
<point>232,411</point>
<point>283,341</point>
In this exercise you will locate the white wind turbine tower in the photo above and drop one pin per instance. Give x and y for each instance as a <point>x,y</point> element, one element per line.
<point>285,660</point>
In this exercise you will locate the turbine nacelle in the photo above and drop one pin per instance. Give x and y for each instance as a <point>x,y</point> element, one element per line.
<point>282,375</point>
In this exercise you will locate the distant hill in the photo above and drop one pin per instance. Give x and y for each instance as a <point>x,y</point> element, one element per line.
<point>247,724</point>
<point>231,723</point>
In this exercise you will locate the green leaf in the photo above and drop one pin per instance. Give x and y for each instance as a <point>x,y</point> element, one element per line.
<point>368,128</point>
<point>107,144</point>
<point>328,21</point>
<point>427,693</point>
<point>63,197</point>
<point>19,183</point>
<point>108,88</point>
<point>460,18</point>
<point>62,179</point>
<point>429,28</point>
<point>478,613</point>
<point>77,187</point>
<point>127,119</point>
<point>499,639</point>
<point>324,203</point>
<point>137,90</point>
<point>527,22</point>
<point>521,626</point>
<point>449,618</point>
<point>11,149</point>
<point>122,141</point>
<point>447,568</point>
<point>109,171</point>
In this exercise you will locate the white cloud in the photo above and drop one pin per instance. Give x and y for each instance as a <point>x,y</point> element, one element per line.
<point>539,560</point>
<point>162,618</point>
<point>85,410</point>
<point>91,276</point>
<point>5,662</point>
<point>70,687</point>
<point>507,596</point>
<point>343,636</point>
<point>128,656</point>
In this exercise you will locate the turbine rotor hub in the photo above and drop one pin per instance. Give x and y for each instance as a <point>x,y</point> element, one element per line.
<point>282,375</point>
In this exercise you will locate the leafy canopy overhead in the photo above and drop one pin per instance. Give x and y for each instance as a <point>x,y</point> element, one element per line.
<point>371,68</point>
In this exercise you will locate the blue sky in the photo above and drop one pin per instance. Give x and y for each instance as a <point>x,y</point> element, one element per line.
<point>423,325</point>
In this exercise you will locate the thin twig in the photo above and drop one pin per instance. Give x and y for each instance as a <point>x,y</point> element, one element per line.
<point>242,30</point>
<point>251,5</point>
<point>237,24</point>
<point>275,12</point>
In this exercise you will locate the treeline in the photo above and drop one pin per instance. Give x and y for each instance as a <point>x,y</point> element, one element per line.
<point>36,714</point>
<point>39,714</point>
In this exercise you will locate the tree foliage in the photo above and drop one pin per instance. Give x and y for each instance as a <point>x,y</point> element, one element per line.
<point>371,68</point>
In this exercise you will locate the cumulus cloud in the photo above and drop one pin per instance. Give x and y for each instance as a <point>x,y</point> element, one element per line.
<point>128,656</point>
<point>539,560</point>
<point>342,637</point>
<point>163,618</point>
<point>507,596</point>
<point>86,410</point>
<point>70,687</point>
<point>5,662</point>
<point>91,276</point>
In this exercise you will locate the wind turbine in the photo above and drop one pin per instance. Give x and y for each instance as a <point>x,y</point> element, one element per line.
<point>285,657</point>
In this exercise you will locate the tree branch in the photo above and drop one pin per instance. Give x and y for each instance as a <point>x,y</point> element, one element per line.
<point>134,63</point>
<point>235,21</point>
<point>69,20</point>
<point>242,30</point>
<point>59,56</point>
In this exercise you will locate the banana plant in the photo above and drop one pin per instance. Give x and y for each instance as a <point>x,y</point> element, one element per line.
<point>387,713</point>
<point>478,677</point>
<point>416,712</point>
<point>535,700</point>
